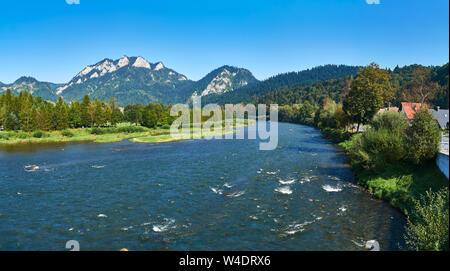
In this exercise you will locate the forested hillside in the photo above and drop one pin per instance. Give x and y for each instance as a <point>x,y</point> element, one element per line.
<point>403,81</point>
<point>283,81</point>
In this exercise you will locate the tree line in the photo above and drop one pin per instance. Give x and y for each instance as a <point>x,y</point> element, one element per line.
<point>339,102</point>
<point>414,83</point>
<point>29,113</point>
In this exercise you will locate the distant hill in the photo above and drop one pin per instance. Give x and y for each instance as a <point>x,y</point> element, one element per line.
<point>33,86</point>
<point>283,81</point>
<point>314,93</point>
<point>335,88</point>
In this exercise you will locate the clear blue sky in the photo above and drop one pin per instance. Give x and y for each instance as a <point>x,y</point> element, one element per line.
<point>52,41</point>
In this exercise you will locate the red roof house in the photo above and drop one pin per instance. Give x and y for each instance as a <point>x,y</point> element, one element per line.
<point>410,109</point>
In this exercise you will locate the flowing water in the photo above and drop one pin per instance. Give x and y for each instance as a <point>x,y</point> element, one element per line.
<point>190,195</point>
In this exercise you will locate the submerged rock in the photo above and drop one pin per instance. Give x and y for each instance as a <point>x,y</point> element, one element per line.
<point>31,168</point>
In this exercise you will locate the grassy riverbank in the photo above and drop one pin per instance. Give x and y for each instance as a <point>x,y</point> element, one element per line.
<point>101,135</point>
<point>106,135</point>
<point>395,159</point>
<point>401,184</point>
<point>167,137</point>
<point>398,183</point>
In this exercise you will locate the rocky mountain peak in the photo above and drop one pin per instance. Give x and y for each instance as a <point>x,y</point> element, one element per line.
<point>159,66</point>
<point>141,63</point>
<point>124,61</point>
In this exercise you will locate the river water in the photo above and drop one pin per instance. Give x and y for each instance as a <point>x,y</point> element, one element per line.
<point>190,195</point>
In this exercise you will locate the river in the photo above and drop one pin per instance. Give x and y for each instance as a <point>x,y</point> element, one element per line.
<point>190,195</point>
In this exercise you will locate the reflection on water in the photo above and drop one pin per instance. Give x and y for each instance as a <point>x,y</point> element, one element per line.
<point>190,195</point>
<point>30,148</point>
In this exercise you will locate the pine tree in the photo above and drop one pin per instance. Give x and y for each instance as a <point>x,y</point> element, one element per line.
<point>61,115</point>
<point>116,114</point>
<point>99,113</point>
<point>74,115</point>
<point>149,118</point>
<point>85,116</point>
<point>26,114</point>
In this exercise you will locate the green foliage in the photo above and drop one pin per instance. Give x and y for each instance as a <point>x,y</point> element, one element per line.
<point>12,122</point>
<point>130,129</point>
<point>26,111</point>
<point>390,120</point>
<point>22,135</point>
<point>133,113</point>
<point>368,93</point>
<point>67,133</point>
<point>381,144</point>
<point>116,115</point>
<point>149,119</point>
<point>428,223</point>
<point>292,82</point>
<point>330,115</point>
<point>314,94</point>
<point>404,81</point>
<point>98,131</point>
<point>165,126</point>
<point>74,115</point>
<point>4,136</point>
<point>39,134</point>
<point>297,113</point>
<point>85,110</point>
<point>423,137</point>
<point>61,115</point>
<point>336,135</point>
<point>122,129</point>
<point>99,117</point>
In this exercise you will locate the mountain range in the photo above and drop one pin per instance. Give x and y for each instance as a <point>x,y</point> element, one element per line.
<point>135,80</point>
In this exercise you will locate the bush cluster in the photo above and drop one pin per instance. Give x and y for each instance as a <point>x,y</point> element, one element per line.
<point>391,139</point>
<point>114,130</point>
<point>428,225</point>
<point>4,136</point>
<point>39,134</point>
<point>67,133</point>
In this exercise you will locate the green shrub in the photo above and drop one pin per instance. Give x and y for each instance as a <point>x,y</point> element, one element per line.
<point>423,137</point>
<point>22,135</point>
<point>376,148</point>
<point>67,133</point>
<point>4,137</point>
<point>121,129</point>
<point>39,134</point>
<point>165,126</point>
<point>131,129</point>
<point>97,131</point>
<point>383,143</point>
<point>393,121</point>
<point>428,223</point>
<point>335,135</point>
